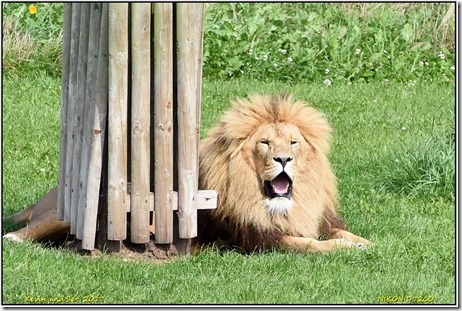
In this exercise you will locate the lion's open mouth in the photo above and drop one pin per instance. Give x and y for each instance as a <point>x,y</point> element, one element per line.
<point>281,186</point>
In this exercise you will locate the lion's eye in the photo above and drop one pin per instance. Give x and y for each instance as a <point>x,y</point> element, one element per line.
<point>293,142</point>
<point>264,142</point>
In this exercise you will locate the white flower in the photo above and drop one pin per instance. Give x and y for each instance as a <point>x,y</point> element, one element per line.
<point>275,65</point>
<point>265,57</point>
<point>42,170</point>
<point>453,68</point>
<point>289,59</point>
<point>283,51</point>
<point>421,63</point>
<point>326,71</point>
<point>357,51</point>
<point>327,82</point>
<point>250,51</point>
<point>441,55</point>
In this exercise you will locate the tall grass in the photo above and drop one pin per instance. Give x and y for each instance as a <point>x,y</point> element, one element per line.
<point>32,41</point>
<point>22,53</point>
<point>424,168</point>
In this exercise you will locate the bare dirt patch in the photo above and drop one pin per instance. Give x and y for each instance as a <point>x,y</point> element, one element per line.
<point>149,252</point>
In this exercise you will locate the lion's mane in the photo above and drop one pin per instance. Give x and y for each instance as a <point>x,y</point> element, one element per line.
<point>240,217</point>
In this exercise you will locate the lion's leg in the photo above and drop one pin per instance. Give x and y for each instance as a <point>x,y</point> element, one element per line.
<point>343,234</point>
<point>42,228</point>
<point>308,245</point>
<point>41,221</point>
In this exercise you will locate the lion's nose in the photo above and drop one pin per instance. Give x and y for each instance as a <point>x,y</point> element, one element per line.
<point>283,160</point>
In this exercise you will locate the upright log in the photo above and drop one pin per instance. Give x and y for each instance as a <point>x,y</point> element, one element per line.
<point>74,53</point>
<point>140,104</point>
<point>163,122</point>
<point>97,136</point>
<point>118,103</point>
<point>189,40</point>
<point>79,112</point>
<point>67,24</point>
<point>89,111</point>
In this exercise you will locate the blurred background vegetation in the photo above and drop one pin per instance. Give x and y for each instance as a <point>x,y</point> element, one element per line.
<point>288,42</point>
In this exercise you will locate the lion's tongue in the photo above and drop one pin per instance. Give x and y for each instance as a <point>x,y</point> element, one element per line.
<point>280,185</point>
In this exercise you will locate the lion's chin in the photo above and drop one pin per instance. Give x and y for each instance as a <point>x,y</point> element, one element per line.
<point>278,205</point>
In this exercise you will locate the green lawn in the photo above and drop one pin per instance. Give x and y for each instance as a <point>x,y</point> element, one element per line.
<point>394,158</point>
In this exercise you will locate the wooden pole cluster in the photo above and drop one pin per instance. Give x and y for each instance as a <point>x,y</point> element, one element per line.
<point>83,116</point>
<point>127,132</point>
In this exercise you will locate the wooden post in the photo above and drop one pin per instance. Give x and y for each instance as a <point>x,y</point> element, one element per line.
<point>189,40</point>
<point>97,135</point>
<point>140,145</point>
<point>78,113</point>
<point>89,111</point>
<point>74,53</point>
<point>118,103</point>
<point>67,20</point>
<point>163,122</point>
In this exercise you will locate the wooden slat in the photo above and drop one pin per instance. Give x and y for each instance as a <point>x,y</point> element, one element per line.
<point>140,144</point>
<point>78,112</point>
<point>189,46</point>
<point>117,139</point>
<point>73,60</point>
<point>163,121</point>
<point>98,135</point>
<point>89,111</point>
<point>67,24</point>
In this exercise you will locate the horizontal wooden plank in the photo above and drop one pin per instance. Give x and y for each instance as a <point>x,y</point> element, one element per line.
<point>206,199</point>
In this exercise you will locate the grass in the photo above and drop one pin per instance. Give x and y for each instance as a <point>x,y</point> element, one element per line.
<point>405,207</point>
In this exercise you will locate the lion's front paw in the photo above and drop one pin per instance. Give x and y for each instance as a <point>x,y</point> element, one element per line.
<point>13,237</point>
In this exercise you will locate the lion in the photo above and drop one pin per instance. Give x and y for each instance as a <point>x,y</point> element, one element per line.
<point>267,160</point>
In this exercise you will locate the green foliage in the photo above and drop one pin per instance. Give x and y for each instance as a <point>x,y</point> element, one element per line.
<point>329,43</point>
<point>289,42</point>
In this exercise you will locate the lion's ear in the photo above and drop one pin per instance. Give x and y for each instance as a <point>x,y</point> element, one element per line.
<point>321,140</point>
<point>314,127</point>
